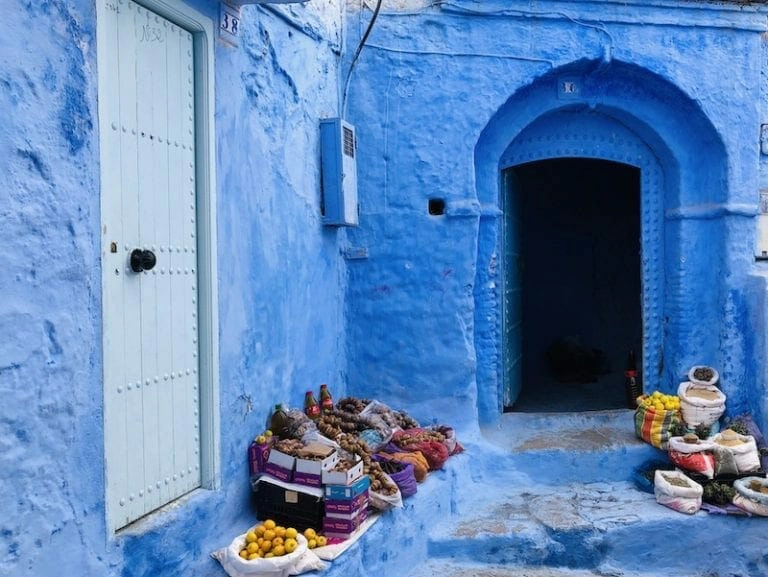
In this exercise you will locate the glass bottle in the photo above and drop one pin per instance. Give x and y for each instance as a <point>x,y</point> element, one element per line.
<point>311,408</point>
<point>278,423</point>
<point>632,387</point>
<point>326,401</point>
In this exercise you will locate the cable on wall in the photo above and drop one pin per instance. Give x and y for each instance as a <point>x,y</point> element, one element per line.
<point>357,55</point>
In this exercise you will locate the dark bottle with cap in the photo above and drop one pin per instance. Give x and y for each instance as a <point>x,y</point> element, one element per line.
<point>278,423</point>
<point>632,386</point>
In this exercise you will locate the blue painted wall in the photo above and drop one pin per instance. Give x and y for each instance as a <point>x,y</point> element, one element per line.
<point>438,97</point>
<point>441,97</point>
<point>281,281</point>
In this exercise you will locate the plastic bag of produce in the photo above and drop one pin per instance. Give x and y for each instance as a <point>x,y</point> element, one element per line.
<point>400,472</point>
<point>676,491</point>
<point>395,419</point>
<point>742,447</point>
<point>692,454</point>
<point>428,442</point>
<point>752,495</point>
<point>382,500</point>
<point>300,561</point>
<point>415,458</point>
<point>653,425</point>
<point>700,404</point>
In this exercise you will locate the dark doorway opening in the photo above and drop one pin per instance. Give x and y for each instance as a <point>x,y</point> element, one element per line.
<point>574,225</point>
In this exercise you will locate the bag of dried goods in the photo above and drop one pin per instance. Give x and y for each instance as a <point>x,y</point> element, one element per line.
<point>395,419</point>
<point>703,375</point>
<point>415,458</point>
<point>386,494</point>
<point>429,443</point>
<point>692,454</point>
<point>450,442</point>
<point>236,564</point>
<point>383,492</point>
<point>742,447</point>
<point>400,472</point>
<point>752,495</point>
<point>653,424</point>
<point>676,491</point>
<point>700,404</point>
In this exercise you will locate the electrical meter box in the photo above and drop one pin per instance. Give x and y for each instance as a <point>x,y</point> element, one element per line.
<point>338,152</point>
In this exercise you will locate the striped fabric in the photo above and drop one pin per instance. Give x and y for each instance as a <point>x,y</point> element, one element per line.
<point>653,426</point>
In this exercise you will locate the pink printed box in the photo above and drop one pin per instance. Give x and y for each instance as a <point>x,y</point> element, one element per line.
<point>280,465</point>
<point>343,528</point>
<point>279,472</point>
<point>346,507</point>
<point>258,453</point>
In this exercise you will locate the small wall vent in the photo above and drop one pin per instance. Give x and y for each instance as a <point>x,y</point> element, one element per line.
<point>338,147</point>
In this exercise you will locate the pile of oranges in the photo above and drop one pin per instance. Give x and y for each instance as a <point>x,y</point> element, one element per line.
<point>269,539</point>
<point>660,402</point>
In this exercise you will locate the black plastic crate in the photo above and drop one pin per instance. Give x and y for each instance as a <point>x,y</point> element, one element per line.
<point>288,507</point>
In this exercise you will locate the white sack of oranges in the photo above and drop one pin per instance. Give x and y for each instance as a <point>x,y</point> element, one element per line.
<point>251,555</point>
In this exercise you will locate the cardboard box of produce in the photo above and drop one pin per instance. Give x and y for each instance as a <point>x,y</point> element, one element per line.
<point>348,491</point>
<point>346,476</point>
<point>340,507</point>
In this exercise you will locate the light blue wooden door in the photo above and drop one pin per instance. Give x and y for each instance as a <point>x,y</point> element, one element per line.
<point>151,384</point>
<point>512,320</point>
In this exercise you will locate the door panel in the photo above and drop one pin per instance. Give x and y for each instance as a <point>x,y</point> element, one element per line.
<point>151,387</point>
<point>512,321</point>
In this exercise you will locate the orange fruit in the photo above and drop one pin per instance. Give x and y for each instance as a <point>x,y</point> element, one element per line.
<point>269,524</point>
<point>290,545</point>
<point>290,533</point>
<point>279,551</point>
<point>266,546</point>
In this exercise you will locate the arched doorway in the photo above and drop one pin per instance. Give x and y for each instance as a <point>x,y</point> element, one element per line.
<point>580,198</point>
<point>572,278</point>
<point>615,113</point>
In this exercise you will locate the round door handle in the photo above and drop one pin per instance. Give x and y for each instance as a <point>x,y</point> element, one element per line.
<point>142,260</point>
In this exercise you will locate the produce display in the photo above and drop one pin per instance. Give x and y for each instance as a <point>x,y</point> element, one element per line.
<point>725,465</point>
<point>326,470</point>
<point>269,539</point>
<point>660,401</point>
<point>380,483</point>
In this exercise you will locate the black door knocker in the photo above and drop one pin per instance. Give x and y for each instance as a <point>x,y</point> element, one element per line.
<point>142,260</point>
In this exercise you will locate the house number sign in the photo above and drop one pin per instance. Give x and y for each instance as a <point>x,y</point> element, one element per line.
<point>229,24</point>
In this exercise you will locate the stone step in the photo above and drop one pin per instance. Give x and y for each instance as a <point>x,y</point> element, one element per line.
<point>610,528</point>
<point>539,495</point>
<point>559,448</point>
<point>441,569</point>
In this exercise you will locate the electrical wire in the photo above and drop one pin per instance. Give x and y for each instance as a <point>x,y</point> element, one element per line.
<point>357,55</point>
